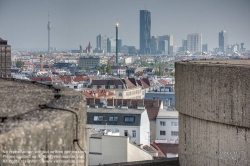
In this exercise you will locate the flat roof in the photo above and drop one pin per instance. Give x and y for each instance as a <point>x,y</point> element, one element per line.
<point>115,110</point>
<point>168,113</point>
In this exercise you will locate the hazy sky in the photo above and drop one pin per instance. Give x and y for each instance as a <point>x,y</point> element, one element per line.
<point>76,22</point>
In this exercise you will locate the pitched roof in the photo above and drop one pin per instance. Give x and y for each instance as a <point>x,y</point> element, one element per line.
<point>164,82</point>
<point>166,148</point>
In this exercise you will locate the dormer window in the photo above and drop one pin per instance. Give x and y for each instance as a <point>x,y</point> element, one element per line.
<point>111,86</point>
<point>129,119</point>
<point>98,118</point>
<point>119,86</point>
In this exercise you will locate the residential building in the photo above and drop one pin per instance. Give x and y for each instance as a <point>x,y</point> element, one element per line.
<point>131,122</point>
<point>89,62</point>
<point>122,88</point>
<point>152,107</point>
<point>5,59</point>
<point>166,94</point>
<point>106,149</point>
<point>98,93</point>
<point>145,29</point>
<point>194,42</point>
<point>119,70</point>
<point>167,129</point>
<point>223,41</point>
<point>101,43</point>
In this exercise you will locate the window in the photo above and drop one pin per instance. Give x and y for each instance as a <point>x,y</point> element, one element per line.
<point>125,132</point>
<point>120,94</point>
<point>162,123</point>
<point>119,86</point>
<point>175,124</point>
<point>174,133</point>
<point>111,86</point>
<point>133,133</point>
<point>129,119</point>
<point>113,119</point>
<point>103,86</point>
<point>94,86</point>
<point>98,118</point>
<point>162,132</point>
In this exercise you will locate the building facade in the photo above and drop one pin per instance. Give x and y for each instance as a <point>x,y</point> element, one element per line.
<point>89,62</point>
<point>223,41</point>
<point>122,88</point>
<point>133,123</point>
<point>194,42</point>
<point>145,28</point>
<point>5,59</point>
<point>167,130</point>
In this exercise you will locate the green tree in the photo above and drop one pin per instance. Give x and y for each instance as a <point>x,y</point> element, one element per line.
<point>19,64</point>
<point>108,68</point>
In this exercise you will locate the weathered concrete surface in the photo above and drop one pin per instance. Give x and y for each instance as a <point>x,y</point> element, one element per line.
<point>213,98</point>
<point>28,127</point>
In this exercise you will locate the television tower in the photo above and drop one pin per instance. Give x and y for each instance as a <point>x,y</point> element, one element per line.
<point>116,27</point>
<point>49,28</point>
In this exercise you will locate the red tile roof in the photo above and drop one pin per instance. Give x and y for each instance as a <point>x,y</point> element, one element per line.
<point>166,148</point>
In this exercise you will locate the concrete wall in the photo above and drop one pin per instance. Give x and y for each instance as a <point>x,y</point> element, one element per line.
<point>28,127</point>
<point>134,153</point>
<point>213,100</point>
<point>114,149</point>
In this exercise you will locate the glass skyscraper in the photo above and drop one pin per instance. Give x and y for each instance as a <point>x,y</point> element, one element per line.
<point>223,37</point>
<point>145,28</point>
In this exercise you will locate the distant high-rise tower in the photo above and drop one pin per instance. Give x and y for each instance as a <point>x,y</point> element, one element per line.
<point>49,28</point>
<point>223,39</point>
<point>145,28</point>
<point>101,43</point>
<point>194,42</point>
<point>5,59</point>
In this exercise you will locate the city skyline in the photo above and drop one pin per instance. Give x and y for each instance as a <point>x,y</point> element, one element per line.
<point>75,23</point>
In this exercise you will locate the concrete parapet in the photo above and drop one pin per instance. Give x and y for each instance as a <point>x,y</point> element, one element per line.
<point>41,118</point>
<point>213,98</point>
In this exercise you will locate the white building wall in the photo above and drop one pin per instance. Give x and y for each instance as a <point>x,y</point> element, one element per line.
<point>121,131</point>
<point>168,128</point>
<point>145,129</point>
<point>137,154</point>
<point>115,149</point>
